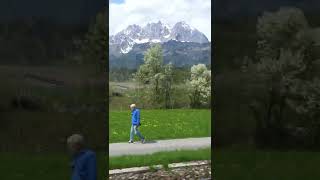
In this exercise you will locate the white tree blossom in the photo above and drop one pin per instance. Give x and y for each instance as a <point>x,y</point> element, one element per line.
<point>200,85</point>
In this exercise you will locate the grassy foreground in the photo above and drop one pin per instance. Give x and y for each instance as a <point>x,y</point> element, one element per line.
<point>22,166</point>
<point>161,124</point>
<point>264,165</point>
<point>163,158</point>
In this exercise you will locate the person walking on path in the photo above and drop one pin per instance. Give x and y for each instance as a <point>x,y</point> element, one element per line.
<point>83,165</point>
<point>135,123</point>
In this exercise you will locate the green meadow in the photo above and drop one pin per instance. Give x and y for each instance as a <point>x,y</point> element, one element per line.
<point>161,124</point>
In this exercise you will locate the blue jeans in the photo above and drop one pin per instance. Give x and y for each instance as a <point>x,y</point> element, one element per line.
<point>134,130</point>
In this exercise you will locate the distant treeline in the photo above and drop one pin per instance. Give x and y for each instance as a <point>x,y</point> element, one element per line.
<point>124,74</point>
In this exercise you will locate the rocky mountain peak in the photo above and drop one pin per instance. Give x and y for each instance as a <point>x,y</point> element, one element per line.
<point>155,32</point>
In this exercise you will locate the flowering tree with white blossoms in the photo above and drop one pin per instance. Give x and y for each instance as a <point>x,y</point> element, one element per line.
<point>200,86</point>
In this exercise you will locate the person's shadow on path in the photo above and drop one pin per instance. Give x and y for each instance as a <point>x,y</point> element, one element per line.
<point>150,142</point>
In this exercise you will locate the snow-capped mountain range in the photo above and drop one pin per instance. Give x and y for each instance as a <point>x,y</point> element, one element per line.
<point>158,32</point>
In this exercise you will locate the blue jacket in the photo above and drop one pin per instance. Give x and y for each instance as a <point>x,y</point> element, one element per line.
<point>84,166</point>
<point>135,117</point>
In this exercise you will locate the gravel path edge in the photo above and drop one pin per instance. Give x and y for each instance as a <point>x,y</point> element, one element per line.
<point>147,168</point>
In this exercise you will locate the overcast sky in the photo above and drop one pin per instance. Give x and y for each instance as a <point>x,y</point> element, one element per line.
<point>196,13</point>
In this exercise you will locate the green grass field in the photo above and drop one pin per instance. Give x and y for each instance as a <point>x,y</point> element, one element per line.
<point>49,166</point>
<point>163,158</point>
<point>161,124</point>
<point>263,165</point>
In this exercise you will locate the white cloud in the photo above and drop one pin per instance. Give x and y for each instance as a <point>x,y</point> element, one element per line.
<point>197,13</point>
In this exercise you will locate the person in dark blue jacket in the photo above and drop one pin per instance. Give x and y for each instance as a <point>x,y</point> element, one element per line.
<point>83,165</point>
<point>135,123</point>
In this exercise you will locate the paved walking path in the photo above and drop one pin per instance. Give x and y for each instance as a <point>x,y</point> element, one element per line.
<point>119,149</point>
